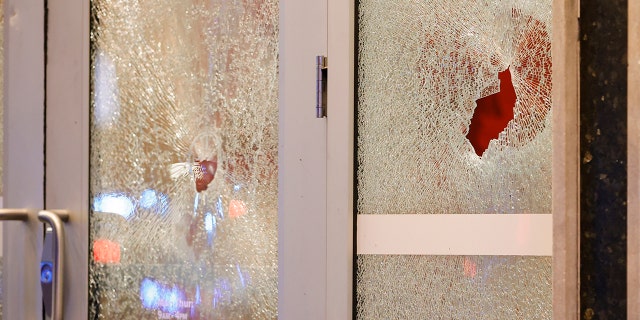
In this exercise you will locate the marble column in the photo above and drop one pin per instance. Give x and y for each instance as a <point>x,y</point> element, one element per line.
<point>603,151</point>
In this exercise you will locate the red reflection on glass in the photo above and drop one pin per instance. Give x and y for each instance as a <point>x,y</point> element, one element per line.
<point>106,251</point>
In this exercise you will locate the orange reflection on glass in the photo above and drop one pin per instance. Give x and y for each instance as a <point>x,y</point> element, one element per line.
<point>237,208</point>
<point>470,267</point>
<point>106,251</point>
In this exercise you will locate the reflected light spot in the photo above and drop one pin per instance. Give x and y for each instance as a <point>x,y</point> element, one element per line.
<point>106,251</point>
<point>107,105</point>
<point>173,300</point>
<point>221,293</point>
<point>210,227</point>
<point>150,293</point>
<point>209,223</point>
<point>114,203</point>
<point>148,198</point>
<point>470,268</point>
<point>220,208</point>
<point>195,204</point>
<point>163,203</point>
<point>237,208</point>
<point>154,295</point>
<point>241,276</point>
<point>157,202</point>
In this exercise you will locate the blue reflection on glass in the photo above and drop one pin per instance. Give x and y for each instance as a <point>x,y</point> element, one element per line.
<point>217,296</point>
<point>150,293</point>
<point>159,297</point>
<point>173,300</point>
<point>195,204</point>
<point>148,198</point>
<point>210,226</point>
<point>117,203</point>
<point>209,223</point>
<point>155,201</point>
<point>220,208</point>
<point>221,293</point>
<point>241,276</point>
<point>163,205</point>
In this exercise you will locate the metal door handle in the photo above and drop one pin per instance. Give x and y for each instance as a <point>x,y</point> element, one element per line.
<point>14,214</point>
<point>55,219</point>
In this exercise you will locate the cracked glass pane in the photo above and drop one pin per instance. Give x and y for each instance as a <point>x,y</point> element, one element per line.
<point>184,159</point>
<point>453,287</point>
<point>434,127</point>
<point>453,117</point>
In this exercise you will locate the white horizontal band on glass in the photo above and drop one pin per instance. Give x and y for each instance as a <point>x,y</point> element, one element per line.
<point>455,234</point>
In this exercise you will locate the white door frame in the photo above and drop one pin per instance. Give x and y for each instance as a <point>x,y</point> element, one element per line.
<point>23,155</point>
<point>340,152</point>
<point>566,159</point>
<point>302,231</point>
<point>67,140</point>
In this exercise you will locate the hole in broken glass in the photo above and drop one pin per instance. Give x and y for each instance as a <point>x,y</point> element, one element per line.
<point>492,114</point>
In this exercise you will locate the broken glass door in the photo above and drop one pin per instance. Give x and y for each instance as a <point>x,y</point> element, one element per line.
<point>202,200</point>
<point>183,165</point>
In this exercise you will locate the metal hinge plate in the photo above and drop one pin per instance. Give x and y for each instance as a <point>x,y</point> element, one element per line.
<point>321,86</point>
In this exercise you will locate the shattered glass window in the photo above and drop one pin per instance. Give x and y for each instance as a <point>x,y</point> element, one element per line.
<point>184,124</point>
<point>453,117</point>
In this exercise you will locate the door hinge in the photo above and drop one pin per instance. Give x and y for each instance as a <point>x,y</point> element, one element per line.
<point>321,86</point>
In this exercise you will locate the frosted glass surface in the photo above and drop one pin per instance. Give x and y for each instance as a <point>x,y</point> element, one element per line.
<point>453,287</point>
<point>422,66</point>
<point>184,159</point>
